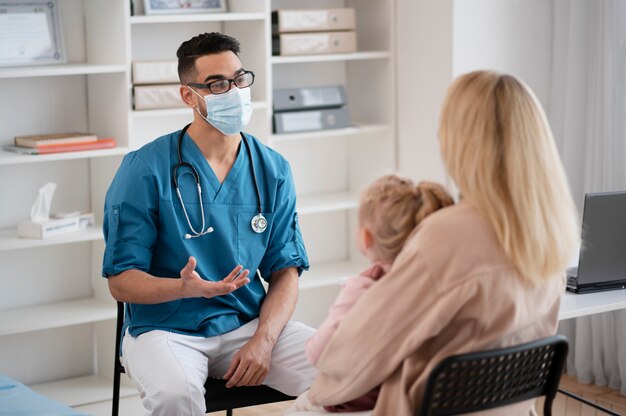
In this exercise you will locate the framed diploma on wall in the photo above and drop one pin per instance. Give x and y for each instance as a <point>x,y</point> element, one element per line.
<point>30,33</point>
<point>183,6</point>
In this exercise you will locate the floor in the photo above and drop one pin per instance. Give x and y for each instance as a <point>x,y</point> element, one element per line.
<point>563,406</point>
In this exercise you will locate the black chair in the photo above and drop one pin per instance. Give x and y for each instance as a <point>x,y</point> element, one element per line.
<point>487,379</point>
<point>217,397</point>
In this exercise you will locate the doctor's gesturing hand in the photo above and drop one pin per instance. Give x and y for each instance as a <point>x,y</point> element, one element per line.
<point>195,286</point>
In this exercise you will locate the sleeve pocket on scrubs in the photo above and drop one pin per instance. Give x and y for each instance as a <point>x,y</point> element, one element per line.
<point>251,246</point>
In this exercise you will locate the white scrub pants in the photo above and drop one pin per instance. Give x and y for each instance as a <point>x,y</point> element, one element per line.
<point>170,369</point>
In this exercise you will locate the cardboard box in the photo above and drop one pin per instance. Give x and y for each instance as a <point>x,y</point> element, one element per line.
<point>314,43</point>
<point>285,21</point>
<point>150,97</point>
<point>155,72</point>
<point>50,228</point>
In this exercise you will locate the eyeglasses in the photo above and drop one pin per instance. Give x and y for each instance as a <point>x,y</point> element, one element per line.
<point>221,86</point>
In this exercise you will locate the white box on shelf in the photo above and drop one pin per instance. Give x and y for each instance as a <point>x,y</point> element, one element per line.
<point>150,97</point>
<point>284,21</point>
<point>312,43</point>
<point>155,72</point>
<point>50,228</point>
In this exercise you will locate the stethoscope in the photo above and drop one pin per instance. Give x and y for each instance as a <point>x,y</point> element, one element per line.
<point>258,223</point>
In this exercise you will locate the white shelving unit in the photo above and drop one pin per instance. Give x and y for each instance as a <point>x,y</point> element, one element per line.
<point>53,294</point>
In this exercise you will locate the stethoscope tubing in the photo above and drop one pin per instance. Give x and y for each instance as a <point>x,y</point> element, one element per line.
<point>256,220</point>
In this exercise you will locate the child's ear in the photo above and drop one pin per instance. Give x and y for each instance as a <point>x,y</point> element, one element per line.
<point>367,238</point>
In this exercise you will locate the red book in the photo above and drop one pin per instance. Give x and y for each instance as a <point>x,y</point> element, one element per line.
<point>73,147</point>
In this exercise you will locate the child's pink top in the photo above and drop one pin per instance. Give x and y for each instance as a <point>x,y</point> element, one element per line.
<point>349,294</point>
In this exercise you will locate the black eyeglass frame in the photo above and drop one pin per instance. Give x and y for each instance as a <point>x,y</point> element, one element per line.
<point>230,81</point>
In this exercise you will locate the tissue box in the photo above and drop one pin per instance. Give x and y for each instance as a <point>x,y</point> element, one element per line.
<point>50,228</point>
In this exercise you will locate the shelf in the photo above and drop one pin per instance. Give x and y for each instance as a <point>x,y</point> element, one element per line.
<point>330,274</point>
<point>336,201</point>
<point>574,305</point>
<point>196,17</point>
<point>182,111</point>
<point>354,56</point>
<point>83,390</point>
<point>55,315</point>
<point>10,241</point>
<point>59,70</point>
<point>345,132</point>
<point>10,158</point>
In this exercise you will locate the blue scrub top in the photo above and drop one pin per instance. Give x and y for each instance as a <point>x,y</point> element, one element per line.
<point>144,228</point>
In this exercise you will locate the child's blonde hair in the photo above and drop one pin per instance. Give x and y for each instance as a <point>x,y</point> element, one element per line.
<point>391,207</point>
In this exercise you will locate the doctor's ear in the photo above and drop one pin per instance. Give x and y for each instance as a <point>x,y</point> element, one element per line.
<point>188,97</point>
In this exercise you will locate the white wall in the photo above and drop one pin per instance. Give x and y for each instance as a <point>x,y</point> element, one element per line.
<point>424,70</point>
<point>513,36</point>
<point>437,40</point>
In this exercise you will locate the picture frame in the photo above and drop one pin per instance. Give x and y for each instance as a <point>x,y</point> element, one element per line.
<point>183,6</point>
<point>30,33</point>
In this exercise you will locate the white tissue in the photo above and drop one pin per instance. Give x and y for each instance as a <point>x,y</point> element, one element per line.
<point>40,212</point>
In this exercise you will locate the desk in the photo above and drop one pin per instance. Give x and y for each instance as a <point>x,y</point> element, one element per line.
<point>575,305</point>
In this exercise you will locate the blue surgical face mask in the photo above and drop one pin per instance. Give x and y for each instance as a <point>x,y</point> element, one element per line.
<point>229,112</point>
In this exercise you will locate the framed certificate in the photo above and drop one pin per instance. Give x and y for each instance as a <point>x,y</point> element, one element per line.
<point>30,33</point>
<point>183,6</point>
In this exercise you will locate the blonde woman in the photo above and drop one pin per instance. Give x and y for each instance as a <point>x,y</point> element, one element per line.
<point>485,273</point>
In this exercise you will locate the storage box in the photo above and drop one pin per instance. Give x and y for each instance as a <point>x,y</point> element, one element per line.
<point>314,43</point>
<point>50,228</point>
<point>289,99</point>
<point>299,121</point>
<point>150,97</point>
<point>155,72</point>
<point>285,21</point>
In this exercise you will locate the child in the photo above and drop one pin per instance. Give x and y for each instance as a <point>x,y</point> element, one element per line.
<point>390,209</point>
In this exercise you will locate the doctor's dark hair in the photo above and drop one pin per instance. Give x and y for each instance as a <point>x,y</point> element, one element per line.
<point>201,45</point>
<point>391,207</point>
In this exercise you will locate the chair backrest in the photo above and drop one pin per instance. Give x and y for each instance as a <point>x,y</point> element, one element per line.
<point>217,397</point>
<point>483,380</point>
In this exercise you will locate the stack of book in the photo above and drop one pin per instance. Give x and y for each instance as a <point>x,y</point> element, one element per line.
<point>58,143</point>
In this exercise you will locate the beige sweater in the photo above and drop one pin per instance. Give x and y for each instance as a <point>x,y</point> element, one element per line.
<point>451,290</point>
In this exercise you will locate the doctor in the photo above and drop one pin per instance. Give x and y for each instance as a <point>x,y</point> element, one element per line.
<point>188,220</point>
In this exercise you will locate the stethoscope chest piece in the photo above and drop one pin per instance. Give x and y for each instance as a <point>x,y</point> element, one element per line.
<point>259,223</point>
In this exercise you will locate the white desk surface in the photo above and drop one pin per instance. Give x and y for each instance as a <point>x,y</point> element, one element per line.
<point>575,305</point>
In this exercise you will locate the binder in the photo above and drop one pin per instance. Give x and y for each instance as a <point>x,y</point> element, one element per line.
<point>314,43</point>
<point>155,72</point>
<point>290,99</point>
<point>299,121</point>
<point>285,21</point>
<point>149,97</point>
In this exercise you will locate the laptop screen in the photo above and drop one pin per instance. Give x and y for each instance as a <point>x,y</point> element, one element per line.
<point>603,246</point>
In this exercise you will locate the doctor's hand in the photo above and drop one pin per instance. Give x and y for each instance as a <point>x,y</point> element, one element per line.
<point>194,286</point>
<point>250,364</point>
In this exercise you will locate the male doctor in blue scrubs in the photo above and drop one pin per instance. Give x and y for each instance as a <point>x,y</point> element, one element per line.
<point>188,220</point>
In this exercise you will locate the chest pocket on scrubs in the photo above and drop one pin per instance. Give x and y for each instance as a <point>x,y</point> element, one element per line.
<point>251,246</point>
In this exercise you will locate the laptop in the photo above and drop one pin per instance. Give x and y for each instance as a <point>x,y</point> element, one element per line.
<point>602,259</point>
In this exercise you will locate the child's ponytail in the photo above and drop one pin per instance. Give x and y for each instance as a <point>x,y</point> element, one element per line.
<point>433,197</point>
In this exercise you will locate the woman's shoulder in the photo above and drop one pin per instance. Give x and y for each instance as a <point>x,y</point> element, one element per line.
<point>457,241</point>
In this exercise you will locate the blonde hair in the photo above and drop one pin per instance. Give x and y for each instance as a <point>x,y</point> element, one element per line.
<point>391,207</point>
<point>497,146</point>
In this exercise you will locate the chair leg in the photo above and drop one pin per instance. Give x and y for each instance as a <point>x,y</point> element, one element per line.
<point>116,393</point>
<point>588,403</point>
<point>229,412</point>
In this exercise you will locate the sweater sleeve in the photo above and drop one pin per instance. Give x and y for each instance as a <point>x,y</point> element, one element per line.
<point>349,294</point>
